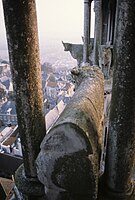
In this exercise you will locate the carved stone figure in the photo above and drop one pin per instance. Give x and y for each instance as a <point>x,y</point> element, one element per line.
<point>76,51</point>
<point>68,163</point>
<point>105,59</point>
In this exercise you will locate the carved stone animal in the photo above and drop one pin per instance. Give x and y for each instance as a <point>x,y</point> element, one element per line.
<point>76,51</point>
<point>105,59</point>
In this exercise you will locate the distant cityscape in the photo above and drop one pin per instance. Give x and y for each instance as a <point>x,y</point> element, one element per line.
<point>57,89</point>
<point>51,51</point>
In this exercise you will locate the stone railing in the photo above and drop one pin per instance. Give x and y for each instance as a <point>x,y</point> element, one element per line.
<point>68,163</point>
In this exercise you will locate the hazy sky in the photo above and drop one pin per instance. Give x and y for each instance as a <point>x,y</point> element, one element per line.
<point>57,19</point>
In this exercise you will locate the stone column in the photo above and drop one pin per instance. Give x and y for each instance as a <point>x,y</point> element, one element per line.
<point>104,22</point>
<point>23,46</point>
<point>113,20</point>
<point>98,30</point>
<point>87,19</point>
<point>121,142</point>
<point>109,27</point>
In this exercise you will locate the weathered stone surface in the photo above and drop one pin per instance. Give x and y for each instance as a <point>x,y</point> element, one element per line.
<point>121,141</point>
<point>106,194</point>
<point>87,26</point>
<point>29,186</point>
<point>68,162</point>
<point>23,46</point>
<point>97,32</point>
<point>22,38</point>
